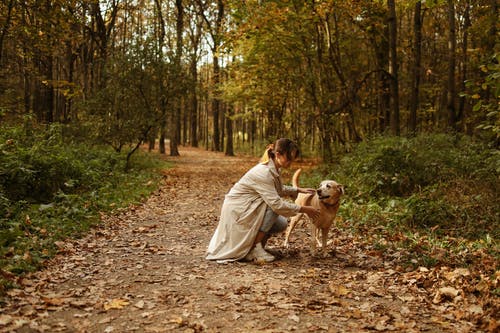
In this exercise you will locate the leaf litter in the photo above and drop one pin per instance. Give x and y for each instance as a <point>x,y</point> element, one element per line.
<point>143,270</point>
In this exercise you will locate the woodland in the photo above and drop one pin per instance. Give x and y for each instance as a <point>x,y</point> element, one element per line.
<point>397,100</point>
<point>222,73</point>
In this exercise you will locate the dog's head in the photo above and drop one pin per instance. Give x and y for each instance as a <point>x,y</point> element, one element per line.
<point>329,191</point>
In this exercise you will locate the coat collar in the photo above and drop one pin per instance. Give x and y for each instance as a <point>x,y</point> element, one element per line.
<point>275,171</point>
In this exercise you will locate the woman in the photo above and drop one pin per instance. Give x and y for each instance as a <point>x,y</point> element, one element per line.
<point>254,208</point>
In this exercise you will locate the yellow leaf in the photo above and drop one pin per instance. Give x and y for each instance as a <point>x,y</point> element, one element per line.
<point>177,320</point>
<point>116,303</point>
<point>457,273</point>
<point>338,290</point>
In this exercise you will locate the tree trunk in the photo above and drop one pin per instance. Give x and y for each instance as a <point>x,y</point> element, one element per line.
<point>163,125</point>
<point>452,45</point>
<point>416,70</point>
<point>463,66</point>
<point>175,129</point>
<point>193,111</point>
<point>383,99</point>
<point>393,67</point>
<point>229,133</point>
<point>103,29</point>
<point>216,104</point>
<point>5,27</point>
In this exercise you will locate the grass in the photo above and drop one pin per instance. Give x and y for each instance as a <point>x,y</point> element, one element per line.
<point>52,189</point>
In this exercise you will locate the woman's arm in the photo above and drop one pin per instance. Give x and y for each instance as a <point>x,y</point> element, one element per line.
<point>310,211</point>
<point>306,190</point>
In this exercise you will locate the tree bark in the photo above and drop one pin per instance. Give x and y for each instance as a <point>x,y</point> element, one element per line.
<point>5,27</point>
<point>463,66</point>
<point>229,133</point>
<point>215,32</point>
<point>195,36</point>
<point>452,46</point>
<point>393,67</point>
<point>176,119</point>
<point>416,70</point>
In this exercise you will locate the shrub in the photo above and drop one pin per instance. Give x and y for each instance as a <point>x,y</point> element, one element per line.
<point>52,188</point>
<point>401,167</point>
<point>428,213</point>
<point>444,182</point>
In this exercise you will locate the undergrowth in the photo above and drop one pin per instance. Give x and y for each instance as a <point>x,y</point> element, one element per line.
<point>52,188</point>
<point>432,197</point>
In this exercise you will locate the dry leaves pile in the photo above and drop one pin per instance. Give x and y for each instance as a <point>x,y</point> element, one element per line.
<point>143,270</point>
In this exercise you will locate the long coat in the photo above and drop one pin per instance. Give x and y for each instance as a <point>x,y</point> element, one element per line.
<point>243,211</point>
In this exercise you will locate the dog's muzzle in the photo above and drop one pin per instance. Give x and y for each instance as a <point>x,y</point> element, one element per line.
<point>320,196</point>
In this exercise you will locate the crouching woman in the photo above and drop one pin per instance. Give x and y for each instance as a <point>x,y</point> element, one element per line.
<point>255,208</point>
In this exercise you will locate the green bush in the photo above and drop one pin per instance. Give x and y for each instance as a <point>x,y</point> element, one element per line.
<point>36,168</point>
<point>441,182</point>
<point>401,167</point>
<point>429,213</point>
<point>52,188</point>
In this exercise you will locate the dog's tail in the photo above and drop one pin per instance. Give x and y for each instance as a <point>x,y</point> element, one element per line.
<point>295,178</point>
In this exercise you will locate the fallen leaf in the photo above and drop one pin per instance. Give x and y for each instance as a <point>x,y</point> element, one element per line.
<point>375,292</point>
<point>116,304</point>
<point>5,320</point>
<point>445,293</point>
<point>476,309</point>
<point>454,275</point>
<point>338,290</point>
<point>54,301</point>
<point>448,291</point>
<point>139,304</point>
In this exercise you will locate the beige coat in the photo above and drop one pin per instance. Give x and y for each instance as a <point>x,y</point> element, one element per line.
<point>243,211</point>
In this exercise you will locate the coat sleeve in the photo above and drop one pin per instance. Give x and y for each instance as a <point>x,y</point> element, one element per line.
<point>263,183</point>
<point>290,191</point>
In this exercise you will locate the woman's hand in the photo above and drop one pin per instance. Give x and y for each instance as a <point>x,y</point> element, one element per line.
<point>310,211</point>
<point>306,190</point>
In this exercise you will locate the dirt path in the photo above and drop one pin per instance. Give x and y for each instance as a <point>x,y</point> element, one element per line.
<point>144,271</point>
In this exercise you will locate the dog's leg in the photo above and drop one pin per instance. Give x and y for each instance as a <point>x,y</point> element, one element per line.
<point>318,239</point>
<point>314,240</point>
<point>293,222</point>
<point>324,240</point>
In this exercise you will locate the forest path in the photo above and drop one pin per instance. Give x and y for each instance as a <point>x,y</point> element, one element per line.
<point>143,270</point>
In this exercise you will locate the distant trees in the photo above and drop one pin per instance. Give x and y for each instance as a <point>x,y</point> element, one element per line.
<point>222,73</point>
<point>370,67</point>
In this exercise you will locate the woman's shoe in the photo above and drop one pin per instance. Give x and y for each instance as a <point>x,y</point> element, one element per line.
<point>259,254</point>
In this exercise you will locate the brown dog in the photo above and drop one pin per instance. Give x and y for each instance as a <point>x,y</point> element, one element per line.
<point>327,199</point>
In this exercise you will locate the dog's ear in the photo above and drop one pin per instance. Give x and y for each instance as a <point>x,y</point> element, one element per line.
<point>341,187</point>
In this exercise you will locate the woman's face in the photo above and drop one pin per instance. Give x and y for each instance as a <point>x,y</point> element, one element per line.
<point>282,160</point>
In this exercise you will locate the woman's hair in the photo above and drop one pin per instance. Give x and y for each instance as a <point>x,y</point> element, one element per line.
<point>284,147</point>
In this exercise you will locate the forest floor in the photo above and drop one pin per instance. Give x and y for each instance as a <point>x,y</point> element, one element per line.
<point>143,270</point>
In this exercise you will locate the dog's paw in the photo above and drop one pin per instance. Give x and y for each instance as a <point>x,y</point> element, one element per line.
<point>315,253</point>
